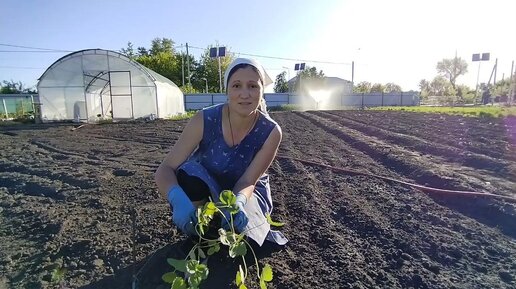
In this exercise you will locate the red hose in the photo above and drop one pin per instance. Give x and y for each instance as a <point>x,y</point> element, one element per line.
<point>420,187</point>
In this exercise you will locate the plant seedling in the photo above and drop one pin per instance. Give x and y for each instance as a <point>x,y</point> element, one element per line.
<point>195,271</point>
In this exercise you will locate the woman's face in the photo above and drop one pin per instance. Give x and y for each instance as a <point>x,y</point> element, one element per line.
<point>245,90</point>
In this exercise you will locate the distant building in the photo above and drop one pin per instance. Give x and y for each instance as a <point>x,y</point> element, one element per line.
<point>321,93</point>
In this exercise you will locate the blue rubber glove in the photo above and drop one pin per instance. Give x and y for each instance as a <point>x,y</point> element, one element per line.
<point>240,219</point>
<point>183,211</point>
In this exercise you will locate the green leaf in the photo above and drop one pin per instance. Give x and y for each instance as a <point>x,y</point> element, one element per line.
<point>169,277</point>
<point>191,256</point>
<point>203,271</point>
<point>227,198</point>
<point>237,249</point>
<point>204,216</point>
<point>242,286</point>
<point>201,254</point>
<point>266,273</point>
<point>238,278</point>
<point>191,266</point>
<point>273,223</point>
<point>209,208</point>
<point>213,249</point>
<point>194,280</point>
<point>263,285</point>
<point>178,283</point>
<point>179,265</point>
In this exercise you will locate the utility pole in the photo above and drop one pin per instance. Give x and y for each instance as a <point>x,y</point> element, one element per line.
<point>478,57</point>
<point>496,69</point>
<point>183,66</point>
<point>299,67</point>
<point>188,64</point>
<point>352,75</point>
<point>220,70</point>
<point>218,52</point>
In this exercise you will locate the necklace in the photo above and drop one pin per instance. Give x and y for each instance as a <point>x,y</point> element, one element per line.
<point>231,128</point>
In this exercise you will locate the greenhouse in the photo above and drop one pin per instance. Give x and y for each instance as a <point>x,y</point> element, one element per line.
<point>95,84</point>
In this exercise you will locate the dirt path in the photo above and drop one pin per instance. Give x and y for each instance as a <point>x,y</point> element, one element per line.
<point>84,200</point>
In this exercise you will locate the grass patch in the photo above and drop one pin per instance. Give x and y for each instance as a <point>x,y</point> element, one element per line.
<point>473,111</point>
<point>188,114</point>
<point>284,107</point>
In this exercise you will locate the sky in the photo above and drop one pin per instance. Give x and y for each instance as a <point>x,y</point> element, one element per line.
<point>397,41</point>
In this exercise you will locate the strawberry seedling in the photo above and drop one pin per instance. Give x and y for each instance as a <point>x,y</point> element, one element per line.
<point>194,270</point>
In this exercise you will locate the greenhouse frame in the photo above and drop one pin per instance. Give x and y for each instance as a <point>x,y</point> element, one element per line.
<point>95,84</point>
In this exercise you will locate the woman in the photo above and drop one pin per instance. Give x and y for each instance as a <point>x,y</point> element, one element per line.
<point>226,147</point>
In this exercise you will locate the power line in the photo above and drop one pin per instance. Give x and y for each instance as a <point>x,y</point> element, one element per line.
<point>293,59</point>
<point>180,46</point>
<point>30,47</point>
<point>279,58</point>
<point>21,67</point>
<point>34,51</point>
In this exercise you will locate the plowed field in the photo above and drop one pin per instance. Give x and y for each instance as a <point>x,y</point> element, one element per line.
<point>85,200</point>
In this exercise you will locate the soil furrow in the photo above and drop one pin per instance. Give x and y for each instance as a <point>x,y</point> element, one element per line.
<point>495,167</point>
<point>466,134</point>
<point>391,157</point>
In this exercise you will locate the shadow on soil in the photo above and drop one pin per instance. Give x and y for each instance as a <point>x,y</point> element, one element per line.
<point>148,271</point>
<point>490,212</point>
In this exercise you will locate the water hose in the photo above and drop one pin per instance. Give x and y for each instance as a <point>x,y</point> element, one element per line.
<point>419,187</point>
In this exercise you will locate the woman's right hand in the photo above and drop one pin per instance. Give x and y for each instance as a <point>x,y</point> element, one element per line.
<point>240,219</point>
<point>183,211</point>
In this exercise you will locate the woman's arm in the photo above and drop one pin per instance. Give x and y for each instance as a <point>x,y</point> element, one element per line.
<point>165,176</point>
<point>259,164</point>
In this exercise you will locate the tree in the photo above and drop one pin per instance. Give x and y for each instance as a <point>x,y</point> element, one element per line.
<point>129,51</point>
<point>281,85</point>
<point>142,51</point>
<point>13,87</point>
<point>452,68</point>
<point>209,68</point>
<point>362,87</point>
<point>308,78</point>
<point>162,45</point>
<point>392,87</point>
<point>503,87</point>
<point>188,88</point>
<point>163,63</point>
<point>196,71</point>
<point>465,94</point>
<point>311,72</point>
<point>160,58</point>
<point>424,85</point>
<point>440,86</point>
<point>377,87</point>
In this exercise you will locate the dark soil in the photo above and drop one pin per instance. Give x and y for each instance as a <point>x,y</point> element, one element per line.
<point>84,200</point>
